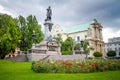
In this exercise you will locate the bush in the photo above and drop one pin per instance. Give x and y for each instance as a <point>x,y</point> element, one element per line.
<point>111,53</point>
<point>76,66</point>
<point>97,54</point>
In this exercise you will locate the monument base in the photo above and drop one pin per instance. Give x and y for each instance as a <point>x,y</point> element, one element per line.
<point>43,50</point>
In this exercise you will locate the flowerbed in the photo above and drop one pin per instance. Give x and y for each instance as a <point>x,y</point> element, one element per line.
<point>85,66</point>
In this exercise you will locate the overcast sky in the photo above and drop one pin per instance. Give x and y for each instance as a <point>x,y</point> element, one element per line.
<point>70,12</point>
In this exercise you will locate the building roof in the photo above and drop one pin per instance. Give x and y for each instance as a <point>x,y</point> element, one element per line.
<point>76,28</point>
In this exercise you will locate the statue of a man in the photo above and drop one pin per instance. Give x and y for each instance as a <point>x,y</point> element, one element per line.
<point>49,14</point>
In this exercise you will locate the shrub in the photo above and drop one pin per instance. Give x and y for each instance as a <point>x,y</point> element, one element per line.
<point>111,53</point>
<point>97,54</point>
<point>75,66</point>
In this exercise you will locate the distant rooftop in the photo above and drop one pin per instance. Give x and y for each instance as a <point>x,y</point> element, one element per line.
<point>115,39</point>
<point>76,28</point>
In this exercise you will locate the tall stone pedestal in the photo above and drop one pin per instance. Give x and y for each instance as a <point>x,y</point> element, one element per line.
<point>48,30</point>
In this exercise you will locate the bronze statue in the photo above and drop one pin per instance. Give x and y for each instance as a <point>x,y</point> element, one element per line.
<point>49,14</point>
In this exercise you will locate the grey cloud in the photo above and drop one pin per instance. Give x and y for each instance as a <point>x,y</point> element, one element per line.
<point>69,12</point>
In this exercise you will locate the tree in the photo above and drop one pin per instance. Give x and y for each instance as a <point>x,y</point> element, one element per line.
<point>111,53</point>
<point>34,26</point>
<point>9,34</point>
<point>67,46</point>
<point>77,46</point>
<point>27,27</point>
<point>86,48</point>
<point>24,29</point>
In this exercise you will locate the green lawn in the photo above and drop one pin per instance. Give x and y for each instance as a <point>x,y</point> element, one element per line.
<point>22,71</point>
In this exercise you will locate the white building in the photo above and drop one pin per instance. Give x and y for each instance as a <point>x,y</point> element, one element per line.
<point>90,31</point>
<point>113,44</point>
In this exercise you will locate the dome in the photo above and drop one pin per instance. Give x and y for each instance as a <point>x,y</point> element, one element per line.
<point>94,21</point>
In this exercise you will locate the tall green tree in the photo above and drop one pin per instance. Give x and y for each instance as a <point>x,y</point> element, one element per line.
<point>77,46</point>
<point>23,42</point>
<point>86,48</point>
<point>9,34</point>
<point>28,26</point>
<point>67,46</point>
<point>33,26</point>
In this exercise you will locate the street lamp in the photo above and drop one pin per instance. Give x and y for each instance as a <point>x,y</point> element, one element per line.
<point>85,37</point>
<point>73,45</point>
<point>81,43</point>
<point>19,43</point>
<point>34,36</point>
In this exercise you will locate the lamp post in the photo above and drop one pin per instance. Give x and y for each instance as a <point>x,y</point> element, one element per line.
<point>33,36</point>
<point>85,37</point>
<point>19,42</point>
<point>73,46</point>
<point>81,42</point>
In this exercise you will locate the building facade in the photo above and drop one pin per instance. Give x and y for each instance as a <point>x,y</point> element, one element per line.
<point>113,44</point>
<point>90,31</point>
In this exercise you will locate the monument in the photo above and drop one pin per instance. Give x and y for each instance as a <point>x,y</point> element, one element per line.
<point>48,25</point>
<point>49,46</point>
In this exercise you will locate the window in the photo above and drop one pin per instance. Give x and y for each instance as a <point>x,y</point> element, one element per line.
<point>116,49</point>
<point>110,44</point>
<point>78,38</point>
<point>110,48</point>
<point>107,45</point>
<point>107,49</point>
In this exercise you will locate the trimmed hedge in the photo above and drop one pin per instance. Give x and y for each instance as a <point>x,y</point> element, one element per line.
<point>75,66</point>
<point>97,54</point>
<point>111,53</point>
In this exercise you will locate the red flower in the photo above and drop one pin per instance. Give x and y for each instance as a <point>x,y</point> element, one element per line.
<point>67,64</point>
<point>94,64</point>
<point>82,65</point>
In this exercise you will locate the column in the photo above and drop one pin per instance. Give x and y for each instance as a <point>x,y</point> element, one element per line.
<point>96,45</point>
<point>101,34</point>
<point>100,48</point>
<point>97,33</point>
<point>94,32</point>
